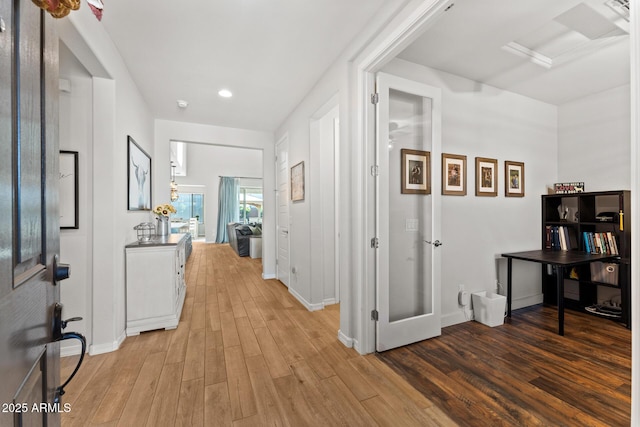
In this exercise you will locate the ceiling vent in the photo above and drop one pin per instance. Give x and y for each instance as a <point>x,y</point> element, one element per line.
<point>621,7</point>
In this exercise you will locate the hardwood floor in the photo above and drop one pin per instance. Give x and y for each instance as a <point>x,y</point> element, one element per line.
<point>246,353</point>
<point>523,373</point>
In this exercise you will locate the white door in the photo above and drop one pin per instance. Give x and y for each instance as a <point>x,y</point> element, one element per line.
<point>408,212</point>
<point>282,185</point>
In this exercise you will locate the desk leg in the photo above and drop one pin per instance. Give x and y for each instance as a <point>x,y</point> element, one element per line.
<point>560,289</point>
<point>509,271</point>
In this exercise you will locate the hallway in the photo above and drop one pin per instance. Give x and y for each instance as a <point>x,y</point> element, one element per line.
<point>246,353</point>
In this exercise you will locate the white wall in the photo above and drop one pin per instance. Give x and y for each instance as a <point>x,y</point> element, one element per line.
<point>482,121</point>
<point>166,131</point>
<point>593,140</point>
<point>118,110</point>
<point>206,163</point>
<point>76,245</point>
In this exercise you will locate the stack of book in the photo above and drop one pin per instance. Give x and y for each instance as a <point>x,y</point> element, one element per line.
<point>559,237</point>
<point>600,243</point>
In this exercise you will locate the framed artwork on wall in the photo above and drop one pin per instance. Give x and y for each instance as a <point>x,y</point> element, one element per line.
<point>138,177</point>
<point>297,182</point>
<point>416,172</point>
<point>454,174</point>
<point>486,177</point>
<point>514,179</point>
<point>69,208</point>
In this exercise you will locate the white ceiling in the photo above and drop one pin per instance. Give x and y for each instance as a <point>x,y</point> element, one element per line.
<point>271,53</point>
<point>268,53</point>
<point>469,41</point>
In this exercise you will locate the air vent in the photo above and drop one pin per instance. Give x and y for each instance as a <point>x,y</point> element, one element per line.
<point>621,7</point>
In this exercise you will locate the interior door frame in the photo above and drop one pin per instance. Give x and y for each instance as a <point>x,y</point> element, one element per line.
<point>410,26</point>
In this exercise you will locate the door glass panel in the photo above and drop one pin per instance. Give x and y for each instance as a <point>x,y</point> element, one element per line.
<point>410,214</point>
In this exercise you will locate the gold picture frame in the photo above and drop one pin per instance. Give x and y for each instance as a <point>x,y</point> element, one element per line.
<point>513,179</point>
<point>416,171</point>
<point>486,177</point>
<point>454,175</point>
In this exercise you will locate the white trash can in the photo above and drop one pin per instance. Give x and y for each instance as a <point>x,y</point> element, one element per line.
<point>489,308</point>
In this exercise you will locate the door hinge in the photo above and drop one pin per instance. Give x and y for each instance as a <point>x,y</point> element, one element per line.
<point>375,98</point>
<point>374,315</point>
<point>375,243</point>
<point>375,170</point>
<point>276,261</point>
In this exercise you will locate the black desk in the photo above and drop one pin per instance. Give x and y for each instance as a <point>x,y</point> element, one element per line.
<point>559,259</point>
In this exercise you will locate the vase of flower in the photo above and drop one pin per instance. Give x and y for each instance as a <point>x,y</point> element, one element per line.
<point>162,216</point>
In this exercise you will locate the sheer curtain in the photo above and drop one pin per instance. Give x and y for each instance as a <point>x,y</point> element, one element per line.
<point>227,206</point>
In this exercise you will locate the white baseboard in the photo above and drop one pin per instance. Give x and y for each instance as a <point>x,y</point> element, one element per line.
<point>348,342</point>
<point>308,305</point>
<point>107,347</point>
<point>268,276</point>
<point>68,349</point>
<point>330,301</point>
<point>459,316</point>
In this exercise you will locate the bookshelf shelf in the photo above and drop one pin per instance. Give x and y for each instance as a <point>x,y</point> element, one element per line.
<point>607,215</point>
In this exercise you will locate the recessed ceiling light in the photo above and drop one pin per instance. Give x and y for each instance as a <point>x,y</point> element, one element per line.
<point>225,93</point>
<point>182,103</point>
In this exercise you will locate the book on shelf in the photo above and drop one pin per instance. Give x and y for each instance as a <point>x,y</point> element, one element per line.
<point>560,237</point>
<point>600,243</point>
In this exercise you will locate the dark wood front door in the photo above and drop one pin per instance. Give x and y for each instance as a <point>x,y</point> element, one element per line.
<point>29,227</point>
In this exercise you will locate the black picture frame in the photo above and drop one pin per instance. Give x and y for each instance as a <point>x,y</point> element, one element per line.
<point>69,208</point>
<point>138,177</point>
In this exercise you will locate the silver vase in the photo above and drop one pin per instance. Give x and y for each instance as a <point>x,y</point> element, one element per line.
<point>162,229</point>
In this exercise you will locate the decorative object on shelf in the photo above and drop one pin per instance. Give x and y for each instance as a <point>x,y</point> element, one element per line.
<point>173,186</point>
<point>416,172</point>
<point>61,8</point>
<point>145,232</point>
<point>138,177</point>
<point>454,174</point>
<point>486,177</point>
<point>69,208</point>
<point>162,216</point>
<point>297,182</point>
<point>513,179</point>
<point>568,187</point>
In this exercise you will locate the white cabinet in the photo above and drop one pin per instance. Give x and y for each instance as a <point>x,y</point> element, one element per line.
<point>155,283</point>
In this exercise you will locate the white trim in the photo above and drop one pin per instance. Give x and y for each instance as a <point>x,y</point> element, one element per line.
<point>268,276</point>
<point>383,50</point>
<point>347,341</point>
<point>70,350</point>
<point>634,35</point>
<point>307,304</point>
<point>330,301</point>
<point>108,347</point>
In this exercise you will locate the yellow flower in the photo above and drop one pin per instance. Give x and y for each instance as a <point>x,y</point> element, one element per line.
<point>164,210</point>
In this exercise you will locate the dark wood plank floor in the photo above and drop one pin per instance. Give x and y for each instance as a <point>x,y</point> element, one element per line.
<point>522,373</point>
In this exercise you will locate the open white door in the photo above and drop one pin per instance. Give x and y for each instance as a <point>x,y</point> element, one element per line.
<point>408,212</point>
<point>282,184</point>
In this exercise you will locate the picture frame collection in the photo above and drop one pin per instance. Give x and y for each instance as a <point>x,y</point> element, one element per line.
<point>416,172</point>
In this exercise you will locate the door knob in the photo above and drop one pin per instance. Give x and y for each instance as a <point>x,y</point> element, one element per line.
<point>435,243</point>
<point>60,271</point>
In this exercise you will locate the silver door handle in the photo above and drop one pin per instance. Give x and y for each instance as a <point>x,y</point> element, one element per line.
<point>435,243</point>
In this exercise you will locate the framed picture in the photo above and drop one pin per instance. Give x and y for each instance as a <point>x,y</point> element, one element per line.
<point>486,177</point>
<point>416,172</point>
<point>69,210</point>
<point>297,182</point>
<point>513,179</point>
<point>138,177</point>
<point>454,175</point>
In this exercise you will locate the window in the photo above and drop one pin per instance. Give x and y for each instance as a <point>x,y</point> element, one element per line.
<point>189,205</point>
<point>250,201</point>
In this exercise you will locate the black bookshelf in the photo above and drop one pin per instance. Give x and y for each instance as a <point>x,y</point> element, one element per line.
<point>602,213</point>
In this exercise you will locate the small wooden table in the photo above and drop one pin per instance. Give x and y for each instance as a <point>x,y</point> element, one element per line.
<point>560,260</point>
